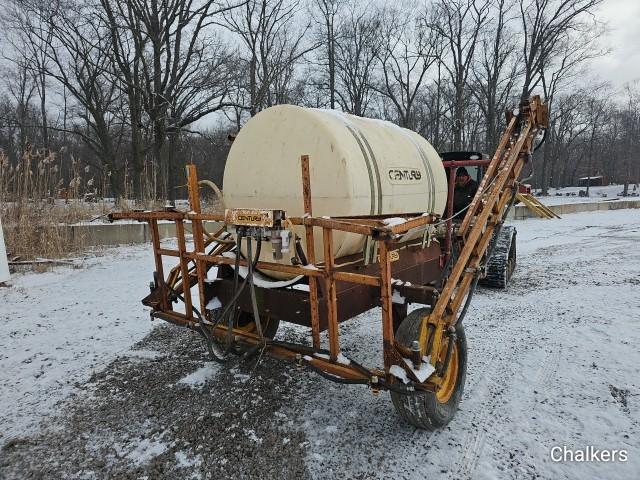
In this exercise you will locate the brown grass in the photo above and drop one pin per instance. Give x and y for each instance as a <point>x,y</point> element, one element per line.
<point>33,214</point>
<point>37,203</point>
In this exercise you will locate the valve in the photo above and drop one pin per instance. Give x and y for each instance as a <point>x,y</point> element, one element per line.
<point>276,244</point>
<point>280,243</point>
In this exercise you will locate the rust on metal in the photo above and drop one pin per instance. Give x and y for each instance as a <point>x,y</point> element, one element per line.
<point>184,268</point>
<point>249,217</point>
<point>339,292</point>
<point>311,251</point>
<point>330,289</point>
<point>386,300</point>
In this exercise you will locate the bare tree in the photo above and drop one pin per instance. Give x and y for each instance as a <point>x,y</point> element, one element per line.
<point>328,10</point>
<point>358,48</point>
<point>596,109</point>
<point>547,25</point>
<point>30,52</point>
<point>458,23</point>
<point>496,70</point>
<point>407,53</point>
<point>21,87</point>
<point>631,123</point>
<point>272,45</point>
<point>84,69</point>
<point>35,60</point>
<point>567,126</point>
<point>173,63</point>
<point>568,63</point>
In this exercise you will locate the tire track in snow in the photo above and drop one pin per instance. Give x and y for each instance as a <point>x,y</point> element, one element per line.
<point>546,373</point>
<point>487,393</point>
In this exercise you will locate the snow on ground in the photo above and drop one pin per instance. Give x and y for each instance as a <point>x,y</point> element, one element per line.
<point>58,327</point>
<point>596,194</point>
<point>553,361</point>
<point>547,360</point>
<point>201,376</point>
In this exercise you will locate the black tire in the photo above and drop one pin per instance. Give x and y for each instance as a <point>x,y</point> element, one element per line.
<point>217,345</point>
<point>399,312</point>
<point>502,263</point>
<point>425,410</point>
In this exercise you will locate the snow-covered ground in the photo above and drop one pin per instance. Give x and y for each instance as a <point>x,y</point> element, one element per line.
<point>596,194</point>
<point>58,327</point>
<point>547,360</point>
<point>553,361</point>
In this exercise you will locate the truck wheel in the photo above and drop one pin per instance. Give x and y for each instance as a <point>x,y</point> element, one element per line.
<point>432,410</point>
<point>502,263</point>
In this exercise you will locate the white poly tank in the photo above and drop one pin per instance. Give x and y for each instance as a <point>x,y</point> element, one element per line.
<point>358,166</point>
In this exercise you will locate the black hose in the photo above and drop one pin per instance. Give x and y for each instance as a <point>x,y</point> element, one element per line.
<point>252,290</point>
<point>544,137</point>
<point>230,310</point>
<point>202,329</point>
<point>300,251</point>
<point>388,386</point>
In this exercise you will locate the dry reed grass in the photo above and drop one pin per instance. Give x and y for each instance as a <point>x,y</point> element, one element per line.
<point>37,203</point>
<point>33,214</point>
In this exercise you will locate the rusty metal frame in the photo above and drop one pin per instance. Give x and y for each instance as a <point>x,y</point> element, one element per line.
<point>323,276</point>
<point>484,214</point>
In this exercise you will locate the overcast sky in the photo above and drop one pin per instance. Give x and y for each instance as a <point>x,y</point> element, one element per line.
<point>622,64</point>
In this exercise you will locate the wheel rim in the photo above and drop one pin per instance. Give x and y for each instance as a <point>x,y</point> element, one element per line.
<point>448,385</point>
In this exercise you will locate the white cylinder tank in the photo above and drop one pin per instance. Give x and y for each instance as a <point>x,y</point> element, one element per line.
<point>358,166</point>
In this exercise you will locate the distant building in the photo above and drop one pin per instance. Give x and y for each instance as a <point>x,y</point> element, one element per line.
<point>595,181</point>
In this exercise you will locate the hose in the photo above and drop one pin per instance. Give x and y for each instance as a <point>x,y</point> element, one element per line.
<point>252,290</point>
<point>230,310</point>
<point>544,137</point>
<point>202,330</point>
<point>347,381</point>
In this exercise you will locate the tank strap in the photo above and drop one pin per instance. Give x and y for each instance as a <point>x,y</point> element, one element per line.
<point>376,170</point>
<point>372,168</point>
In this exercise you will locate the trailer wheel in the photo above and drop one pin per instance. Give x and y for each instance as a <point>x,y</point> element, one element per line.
<point>502,263</point>
<point>247,323</point>
<point>432,410</point>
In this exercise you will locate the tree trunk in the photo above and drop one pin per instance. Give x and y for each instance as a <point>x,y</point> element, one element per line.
<point>544,185</point>
<point>252,85</point>
<point>43,114</point>
<point>332,65</point>
<point>457,120</point>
